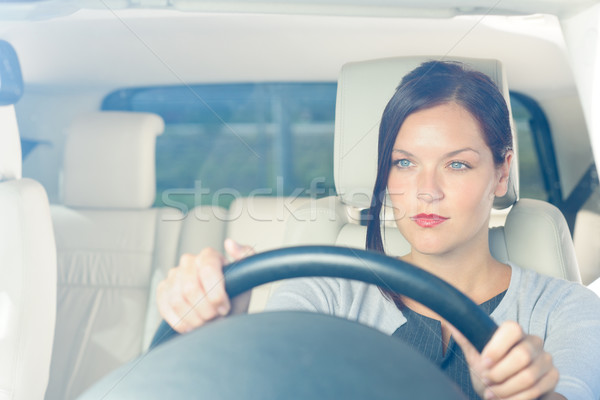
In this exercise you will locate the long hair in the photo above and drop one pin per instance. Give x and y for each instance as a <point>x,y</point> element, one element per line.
<point>431,84</point>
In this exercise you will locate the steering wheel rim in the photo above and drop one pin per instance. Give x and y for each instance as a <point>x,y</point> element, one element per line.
<point>370,267</point>
<point>367,266</point>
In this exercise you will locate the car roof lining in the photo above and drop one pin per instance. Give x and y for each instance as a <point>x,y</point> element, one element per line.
<point>43,9</point>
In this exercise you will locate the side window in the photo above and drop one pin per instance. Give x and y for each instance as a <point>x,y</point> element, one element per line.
<point>228,140</point>
<point>539,175</point>
<point>538,172</point>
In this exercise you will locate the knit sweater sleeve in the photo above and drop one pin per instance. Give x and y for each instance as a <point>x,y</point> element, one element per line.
<point>573,340</point>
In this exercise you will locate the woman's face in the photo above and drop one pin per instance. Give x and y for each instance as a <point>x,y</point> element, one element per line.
<point>443,180</point>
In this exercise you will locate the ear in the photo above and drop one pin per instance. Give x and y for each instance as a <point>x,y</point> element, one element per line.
<point>503,173</point>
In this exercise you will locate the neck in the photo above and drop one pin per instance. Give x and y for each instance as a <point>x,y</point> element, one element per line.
<point>473,271</point>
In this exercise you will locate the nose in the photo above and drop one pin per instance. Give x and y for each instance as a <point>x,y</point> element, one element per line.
<point>428,186</point>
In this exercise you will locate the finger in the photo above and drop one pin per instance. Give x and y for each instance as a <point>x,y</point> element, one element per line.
<point>209,266</point>
<point>177,312</point>
<point>165,310</point>
<point>528,351</point>
<point>186,261</point>
<point>237,251</point>
<point>511,390</point>
<point>196,307</point>
<point>213,283</point>
<point>503,340</point>
<point>523,379</point>
<point>181,323</point>
<point>170,317</point>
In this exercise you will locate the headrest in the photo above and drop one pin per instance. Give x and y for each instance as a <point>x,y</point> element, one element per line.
<point>364,89</point>
<point>10,146</point>
<point>109,160</point>
<point>11,80</point>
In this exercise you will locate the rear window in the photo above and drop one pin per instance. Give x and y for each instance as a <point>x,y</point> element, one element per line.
<point>224,141</point>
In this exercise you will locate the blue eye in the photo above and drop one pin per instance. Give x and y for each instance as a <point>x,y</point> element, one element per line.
<point>403,163</point>
<point>458,165</point>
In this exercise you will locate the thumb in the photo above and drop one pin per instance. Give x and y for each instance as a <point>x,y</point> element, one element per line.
<point>237,251</point>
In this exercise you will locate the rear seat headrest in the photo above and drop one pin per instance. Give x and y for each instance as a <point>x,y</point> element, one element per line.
<point>10,145</point>
<point>109,160</point>
<point>364,88</point>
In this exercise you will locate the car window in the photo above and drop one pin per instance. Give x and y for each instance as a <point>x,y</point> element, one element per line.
<point>533,184</point>
<point>222,141</point>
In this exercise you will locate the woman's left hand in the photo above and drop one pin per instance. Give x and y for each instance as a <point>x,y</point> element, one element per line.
<point>512,365</point>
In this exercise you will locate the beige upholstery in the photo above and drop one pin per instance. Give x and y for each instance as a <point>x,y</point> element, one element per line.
<point>260,222</point>
<point>587,238</point>
<point>27,274</point>
<point>595,286</point>
<point>99,173</point>
<point>535,235</point>
<point>109,242</point>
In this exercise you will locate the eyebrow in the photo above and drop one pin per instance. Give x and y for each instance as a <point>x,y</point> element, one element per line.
<point>450,154</point>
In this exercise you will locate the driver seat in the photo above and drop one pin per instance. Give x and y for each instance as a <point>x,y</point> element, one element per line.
<point>534,235</point>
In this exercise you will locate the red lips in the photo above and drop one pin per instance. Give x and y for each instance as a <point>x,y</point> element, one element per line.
<point>428,220</point>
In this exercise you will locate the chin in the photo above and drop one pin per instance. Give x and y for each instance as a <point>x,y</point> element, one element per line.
<point>430,249</point>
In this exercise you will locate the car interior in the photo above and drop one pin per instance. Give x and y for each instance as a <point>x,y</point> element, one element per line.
<point>91,224</point>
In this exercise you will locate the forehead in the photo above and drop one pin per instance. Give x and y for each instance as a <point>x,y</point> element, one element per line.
<point>448,124</point>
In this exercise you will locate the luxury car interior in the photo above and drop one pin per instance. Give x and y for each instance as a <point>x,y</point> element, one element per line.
<point>134,131</point>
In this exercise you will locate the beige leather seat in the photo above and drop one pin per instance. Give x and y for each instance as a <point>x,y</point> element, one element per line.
<point>534,236</point>
<point>27,266</point>
<point>587,239</point>
<point>106,236</point>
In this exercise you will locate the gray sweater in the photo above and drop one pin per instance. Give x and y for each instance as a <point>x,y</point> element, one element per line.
<point>565,315</point>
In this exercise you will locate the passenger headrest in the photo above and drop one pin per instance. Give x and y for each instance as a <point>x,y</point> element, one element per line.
<point>11,89</point>
<point>10,145</point>
<point>364,88</point>
<point>109,160</point>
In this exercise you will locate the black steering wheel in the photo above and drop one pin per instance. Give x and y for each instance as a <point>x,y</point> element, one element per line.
<point>300,355</point>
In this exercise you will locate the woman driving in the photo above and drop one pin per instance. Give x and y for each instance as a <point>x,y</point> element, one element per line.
<point>445,150</point>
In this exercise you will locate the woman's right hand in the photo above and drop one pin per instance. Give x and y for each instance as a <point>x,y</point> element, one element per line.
<point>194,292</point>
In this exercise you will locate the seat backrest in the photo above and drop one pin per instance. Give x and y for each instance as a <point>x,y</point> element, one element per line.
<point>534,236</point>
<point>27,265</point>
<point>259,222</point>
<point>109,241</point>
<point>586,236</point>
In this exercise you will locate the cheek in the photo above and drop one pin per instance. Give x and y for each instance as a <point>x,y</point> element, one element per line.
<point>395,197</point>
<point>402,198</point>
<point>401,182</point>
<point>475,193</point>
